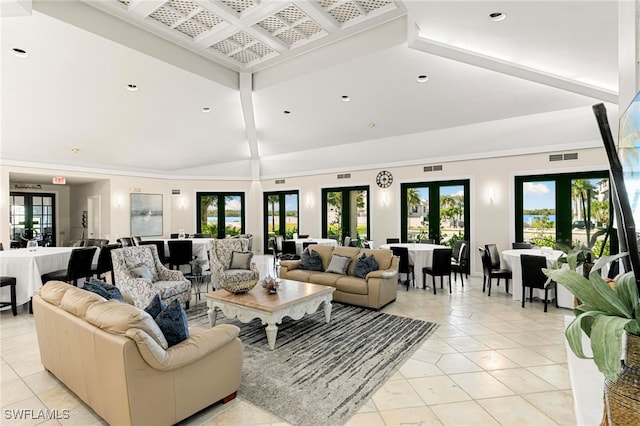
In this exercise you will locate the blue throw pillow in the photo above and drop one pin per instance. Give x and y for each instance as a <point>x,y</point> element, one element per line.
<point>364,265</point>
<point>104,289</point>
<point>173,323</point>
<point>94,288</point>
<point>155,306</point>
<point>311,261</point>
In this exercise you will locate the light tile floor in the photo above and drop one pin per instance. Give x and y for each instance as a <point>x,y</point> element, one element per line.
<point>490,362</point>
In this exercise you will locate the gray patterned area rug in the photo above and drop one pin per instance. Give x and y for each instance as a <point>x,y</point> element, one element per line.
<point>319,373</point>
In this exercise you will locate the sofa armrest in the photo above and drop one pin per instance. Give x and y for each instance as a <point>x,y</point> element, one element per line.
<point>290,265</point>
<point>199,344</point>
<point>382,273</point>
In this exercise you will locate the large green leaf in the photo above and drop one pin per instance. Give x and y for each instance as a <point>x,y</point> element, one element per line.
<point>606,343</point>
<point>627,290</point>
<point>573,333</point>
<point>618,307</point>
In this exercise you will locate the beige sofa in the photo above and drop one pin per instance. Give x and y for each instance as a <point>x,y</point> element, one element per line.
<point>376,290</point>
<point>111,355</point>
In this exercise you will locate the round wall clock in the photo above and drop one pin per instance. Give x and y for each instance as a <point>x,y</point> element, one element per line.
<point>384,179</point>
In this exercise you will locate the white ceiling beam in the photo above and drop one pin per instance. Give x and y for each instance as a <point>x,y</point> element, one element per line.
<point>315,12</point>
<point>143,8</point>
<point>415,41</point>
<point>246,101</point>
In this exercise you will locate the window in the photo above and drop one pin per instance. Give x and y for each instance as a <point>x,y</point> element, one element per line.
<point>566,209</point>
<point>345,212</point>
<point>32,216</point>
<point>216,208</point>
<point>435,210</point>
<point>280,215</point>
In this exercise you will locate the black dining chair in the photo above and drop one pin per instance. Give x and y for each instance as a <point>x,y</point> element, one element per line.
<point>200,235</point>
<point>104,264</point>
<point>79,266</point>
<point>533,277</point>
<point>11,282</point>
<point>521,245</point>
<point>459,260</point>
<point>440,267</point>
<point>126,241</point>
<point>393,240</point>
<point>180,253</point>
<point>289,251</point>
<point>160,246</point>
<point>428,241</point>
<point>489,273</point>
<point>306,244</point>
<point>404,265</point>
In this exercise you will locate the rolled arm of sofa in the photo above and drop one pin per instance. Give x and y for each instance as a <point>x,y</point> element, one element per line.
<point>390,272</point>
<point>289,265</point>
<point>200,343</point>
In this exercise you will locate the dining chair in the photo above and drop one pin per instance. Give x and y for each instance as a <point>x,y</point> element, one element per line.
<point>521,245</point>
<point>533,277</point>
<point>11,282</point>
<point>459,260</point>
<point>306,244</point>
<point>489,273</point>
<point>200,235</point>
<point>126,241</point>
<point>136,240</point>
<point>440,267</point>
<point>404,265</point>
<point>494,255</point>
<point>276,247</point>
<point>105,264</point>
<point>393,240</point>
<point>159,246</point>
<point>428,241</point>
<point>79,266</point>
<point>347,241</point>
<point>289,251</point>
<point>180,253</point>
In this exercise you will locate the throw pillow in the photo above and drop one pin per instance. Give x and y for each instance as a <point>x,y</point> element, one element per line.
<point>339,264</point>
<point>241,260</point>
<point>141,271</point>
<point>173,323</point>
<point>94,288</point>
<point>311,261</point>
<point>155,306</point>
<point>364,265</point>
<point>114,292</point>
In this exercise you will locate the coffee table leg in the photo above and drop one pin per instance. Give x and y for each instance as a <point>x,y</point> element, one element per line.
<point>272,331</point>
<point>327,311</point>
<point>211,313</point>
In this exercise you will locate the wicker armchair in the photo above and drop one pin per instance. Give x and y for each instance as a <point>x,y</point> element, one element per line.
<point>221,255</point>
<point>164,282</point>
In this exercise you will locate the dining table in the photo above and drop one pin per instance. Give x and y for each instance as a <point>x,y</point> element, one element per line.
<point>420,255</point>
<point>320,241</point>
<point>512,262</point>
<point>28,265</point>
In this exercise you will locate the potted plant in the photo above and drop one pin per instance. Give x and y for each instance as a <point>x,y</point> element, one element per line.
<point>196,266</point>
<point>608,314</point>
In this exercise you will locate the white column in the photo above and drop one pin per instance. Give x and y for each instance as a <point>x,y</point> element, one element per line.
<point>628,51</point>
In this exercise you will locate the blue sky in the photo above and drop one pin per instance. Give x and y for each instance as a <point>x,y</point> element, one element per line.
<point>539,195</point>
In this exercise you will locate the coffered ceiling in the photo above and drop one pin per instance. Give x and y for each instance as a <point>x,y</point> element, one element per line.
<point>268,88</point>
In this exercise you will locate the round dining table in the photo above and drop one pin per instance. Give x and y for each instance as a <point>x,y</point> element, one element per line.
<point>512,262</point>
<point>420,255</point>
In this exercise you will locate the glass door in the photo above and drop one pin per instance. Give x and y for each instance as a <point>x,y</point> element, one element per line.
<point>281,216</point>
<point>220,214</point>
<point>345,212</point>
<point>538,216</point>
<point>32,216</point>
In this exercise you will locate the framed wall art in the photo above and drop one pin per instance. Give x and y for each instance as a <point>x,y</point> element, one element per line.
<point>146,215</point>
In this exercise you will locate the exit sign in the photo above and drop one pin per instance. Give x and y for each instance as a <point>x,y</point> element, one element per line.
<point>59,180</point>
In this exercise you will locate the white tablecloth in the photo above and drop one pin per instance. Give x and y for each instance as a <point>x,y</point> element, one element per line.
<point>512,262</point>
<point>320,241</point>
<point>420,255</point>
<point>200,248</point>
<point>27,267</point>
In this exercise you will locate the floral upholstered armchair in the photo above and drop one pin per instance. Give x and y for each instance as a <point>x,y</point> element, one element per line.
<point>231,261</point>
<point>139,273</point>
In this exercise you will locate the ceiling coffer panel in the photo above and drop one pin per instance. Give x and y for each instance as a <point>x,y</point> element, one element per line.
<point>191,28</point>
<point>186,7</point>
<point>207,19</point>
<point>291,25</point>
<point>167,16</point>
<point>243,48</point>
<point>239,5</point>
<point>346,10</point>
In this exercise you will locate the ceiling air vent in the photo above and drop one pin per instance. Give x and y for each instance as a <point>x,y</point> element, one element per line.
<point>437,168</point>
<point>279,181</point>
<point>555,157</point>
<point>571,156</point>
<point>344,176</point>
<point>175,192</point>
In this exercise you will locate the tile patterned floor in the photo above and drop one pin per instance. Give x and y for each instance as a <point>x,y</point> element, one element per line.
<point>489,363</point>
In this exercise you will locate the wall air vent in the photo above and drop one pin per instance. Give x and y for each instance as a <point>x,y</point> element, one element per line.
<point>279,181</point>
<point>571,156</point>
<point>555,157</point>
<point>344,176</point>
<point>436,168</point>
<point>175,192</point>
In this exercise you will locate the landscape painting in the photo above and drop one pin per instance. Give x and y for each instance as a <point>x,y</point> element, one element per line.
<point>146,215</point>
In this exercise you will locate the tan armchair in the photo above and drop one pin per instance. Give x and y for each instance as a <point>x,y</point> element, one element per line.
<point>221,261</point>
<point>128,262</point>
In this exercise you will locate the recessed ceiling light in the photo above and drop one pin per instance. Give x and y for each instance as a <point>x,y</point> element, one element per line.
<point>372,125</point>
<point>286,112</point>
<point>497,16</point>
<point>75,150</point>
<point>132,87</point>
<point>20,53</point>
<point>206,109</point>
<point>422,78</point>
<point>345,98</point>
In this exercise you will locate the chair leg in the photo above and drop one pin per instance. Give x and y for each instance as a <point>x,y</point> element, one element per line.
<point>524,294</point>
<point>531,294</point>
<point>186,304</point>
<point>484,282</point>
<point>450,282</point>
<point>555,293</point>
<point>424,280</point>
<point>14,306</point>
<point>441,281</point>
<point>507,284</point>
<point>489,286</point>
<point>433,281</point>
<point>546,296</point>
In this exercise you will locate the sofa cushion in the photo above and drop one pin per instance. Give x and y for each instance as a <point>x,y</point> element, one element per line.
<point>325,253</point>
<point>339,264</point>
<point>364,265</point>
<point>325,278</point>
<point>76,301</point>
<point>54,291</point>
<point>241,260</point>
<point>117,318</point>
<point>353,285</point>
<point>311,261</point>
<point>301,275</point>
<point>173,323</point>
<point>155,306</point>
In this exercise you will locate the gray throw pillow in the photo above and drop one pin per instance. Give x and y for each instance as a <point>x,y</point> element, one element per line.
<point>311,261</point>
<point>99,286</point>
<point>364,265</point>
<point>141,271</point>
<point>173,323</point>
<point>339,264</point>
<point>241,260</point>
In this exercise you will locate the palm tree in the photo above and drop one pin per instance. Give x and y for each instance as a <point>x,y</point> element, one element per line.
<point>583,191</point>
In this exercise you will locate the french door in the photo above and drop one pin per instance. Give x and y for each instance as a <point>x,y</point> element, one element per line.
<point>345,212</point>
<point>32,216</point>
<point>220,214</point>
<point>281,215</point>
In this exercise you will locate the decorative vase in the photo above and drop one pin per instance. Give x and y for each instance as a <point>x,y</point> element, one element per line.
<point>622,397</point>
<point>197,270</point>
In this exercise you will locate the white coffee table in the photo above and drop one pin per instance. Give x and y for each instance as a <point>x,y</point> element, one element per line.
<point>294,299</point>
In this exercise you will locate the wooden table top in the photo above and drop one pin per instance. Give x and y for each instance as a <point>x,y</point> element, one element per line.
<point>290,293</point>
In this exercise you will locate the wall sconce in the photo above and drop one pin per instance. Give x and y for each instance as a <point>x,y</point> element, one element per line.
<point>309,202</point>
<point>383,198</point>
<point>492,194</point>
<point>118,202</point>
<point>183,203</point>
